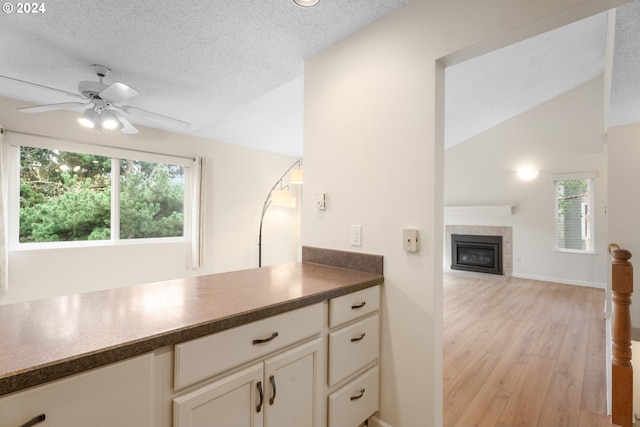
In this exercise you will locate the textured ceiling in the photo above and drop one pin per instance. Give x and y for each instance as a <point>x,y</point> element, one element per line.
<point>233,69</point>
<point>487,90</point>
<point>625,86</point>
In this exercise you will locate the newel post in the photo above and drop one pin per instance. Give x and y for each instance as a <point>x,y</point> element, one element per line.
<point>621,369</point>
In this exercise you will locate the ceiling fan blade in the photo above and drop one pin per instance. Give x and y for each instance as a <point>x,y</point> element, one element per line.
<point>160,118</point>
<point>73,106</point>
<point>42,86</point>
<point>118,92</point>
<point>127,127</point>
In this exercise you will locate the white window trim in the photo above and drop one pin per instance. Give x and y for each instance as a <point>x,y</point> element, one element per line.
<point>113,152</point>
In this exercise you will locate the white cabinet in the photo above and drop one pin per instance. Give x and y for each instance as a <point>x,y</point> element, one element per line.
<point>234,401</point>
<point>120,395</point>
<point>293,386</point>
<point>276,379</point>
<point>354,351</point>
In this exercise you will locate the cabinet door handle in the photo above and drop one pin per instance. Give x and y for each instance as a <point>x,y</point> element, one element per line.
<point>357,306</point>
<point>33,421</point>
<point>358,396</point>
<point>260,341</point>
<point>259,408</point>
<point>272,379</point>
<point>360,338</point>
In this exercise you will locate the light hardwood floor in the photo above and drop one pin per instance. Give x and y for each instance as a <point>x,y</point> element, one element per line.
<point>521,352</point>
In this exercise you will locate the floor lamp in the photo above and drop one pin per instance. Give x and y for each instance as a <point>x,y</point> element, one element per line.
<point>280,195</point>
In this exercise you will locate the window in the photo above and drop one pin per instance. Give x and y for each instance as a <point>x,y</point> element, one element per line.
<point>574,212</point>
<point>80,196</point>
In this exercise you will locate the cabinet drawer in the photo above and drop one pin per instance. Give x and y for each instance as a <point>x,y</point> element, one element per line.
<point>208,356</point>
<point>353,347</point>
<point>351,306</point>
<point>352,404</point>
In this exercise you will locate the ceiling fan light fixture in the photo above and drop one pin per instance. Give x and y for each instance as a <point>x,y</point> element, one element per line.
<point>306,3</point>
<point>89,118</point>
<point>110,121</point>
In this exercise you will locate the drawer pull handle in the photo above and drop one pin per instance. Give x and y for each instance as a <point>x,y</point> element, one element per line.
<point>272,337</point>
<point>357,306</point>
<point>272,379</point>
<point>360,338</point>
<point>259,408</point>
<point>358,396</point>
<point>40,418</point>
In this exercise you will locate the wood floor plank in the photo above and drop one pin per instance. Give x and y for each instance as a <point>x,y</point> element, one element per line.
<point>588,419</point>
<point>551,340</point>
<point>485,409</point>
<point>594,398</point>
<point>460,391</point>
<point>512,364</point>
<point>573,354</point>
<point>525,404</point>
<point>562,403</point>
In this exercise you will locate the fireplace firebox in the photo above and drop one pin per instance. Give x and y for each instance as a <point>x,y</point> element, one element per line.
<point>481,254</point>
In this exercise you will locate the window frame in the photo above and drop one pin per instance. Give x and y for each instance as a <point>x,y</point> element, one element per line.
<point>590,226</point>
<point>115,153</point>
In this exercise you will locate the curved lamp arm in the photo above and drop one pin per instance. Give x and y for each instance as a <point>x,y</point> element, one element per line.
<point>267,203</point>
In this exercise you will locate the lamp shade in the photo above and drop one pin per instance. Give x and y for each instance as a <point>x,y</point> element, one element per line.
<point>89,118</point>
<point>281,198</point>
<point>110,121</point>
<point>296,176</point>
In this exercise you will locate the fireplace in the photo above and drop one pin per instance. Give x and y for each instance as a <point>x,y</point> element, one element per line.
<point>481,254</point>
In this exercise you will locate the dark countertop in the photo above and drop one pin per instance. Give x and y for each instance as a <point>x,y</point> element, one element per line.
<point>44,340</point>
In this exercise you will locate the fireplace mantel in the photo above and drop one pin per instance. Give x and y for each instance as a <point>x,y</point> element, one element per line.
<point>479,210</point>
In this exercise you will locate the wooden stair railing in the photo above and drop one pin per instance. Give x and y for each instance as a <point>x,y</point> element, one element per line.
<point>621,368</point>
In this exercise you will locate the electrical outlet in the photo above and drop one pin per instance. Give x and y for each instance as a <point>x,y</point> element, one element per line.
<point>356,235</point>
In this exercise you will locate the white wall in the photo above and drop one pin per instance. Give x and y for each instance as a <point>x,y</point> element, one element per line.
<point>373,142</point>
<point>623,150</point>
<point>562,135</point>
<point>238,181</point>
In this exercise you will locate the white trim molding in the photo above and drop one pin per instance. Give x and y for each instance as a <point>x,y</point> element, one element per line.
<point>479,210</point>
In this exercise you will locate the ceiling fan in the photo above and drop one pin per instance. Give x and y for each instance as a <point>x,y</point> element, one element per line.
<point>102,109</point>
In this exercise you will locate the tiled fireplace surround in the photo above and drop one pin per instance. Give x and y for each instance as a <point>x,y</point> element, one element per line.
<point>482,230</point>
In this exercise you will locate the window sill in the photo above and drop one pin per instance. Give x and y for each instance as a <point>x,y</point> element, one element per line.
<point>575,251</point>
<point>92,244</point>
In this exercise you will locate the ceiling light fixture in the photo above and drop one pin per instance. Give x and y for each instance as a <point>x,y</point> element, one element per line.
<point>306,3</point>
<point>98,117</point>
<point>89,119</point>
<point>527,173</point>
<point>109,120</point>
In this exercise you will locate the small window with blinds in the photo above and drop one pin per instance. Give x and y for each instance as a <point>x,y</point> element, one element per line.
<point>574,212</point>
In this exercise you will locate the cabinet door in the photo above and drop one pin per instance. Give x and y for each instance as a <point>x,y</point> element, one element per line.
<point>293,387</point>
<point>237,400</point>
<point>120,395</point>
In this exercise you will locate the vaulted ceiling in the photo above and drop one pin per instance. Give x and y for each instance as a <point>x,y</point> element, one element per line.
<point>234,70</point>
<point>487,90</point>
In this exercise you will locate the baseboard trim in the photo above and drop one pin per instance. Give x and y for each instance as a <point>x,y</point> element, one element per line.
<point>377,422</point>
<point>562,281</point>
